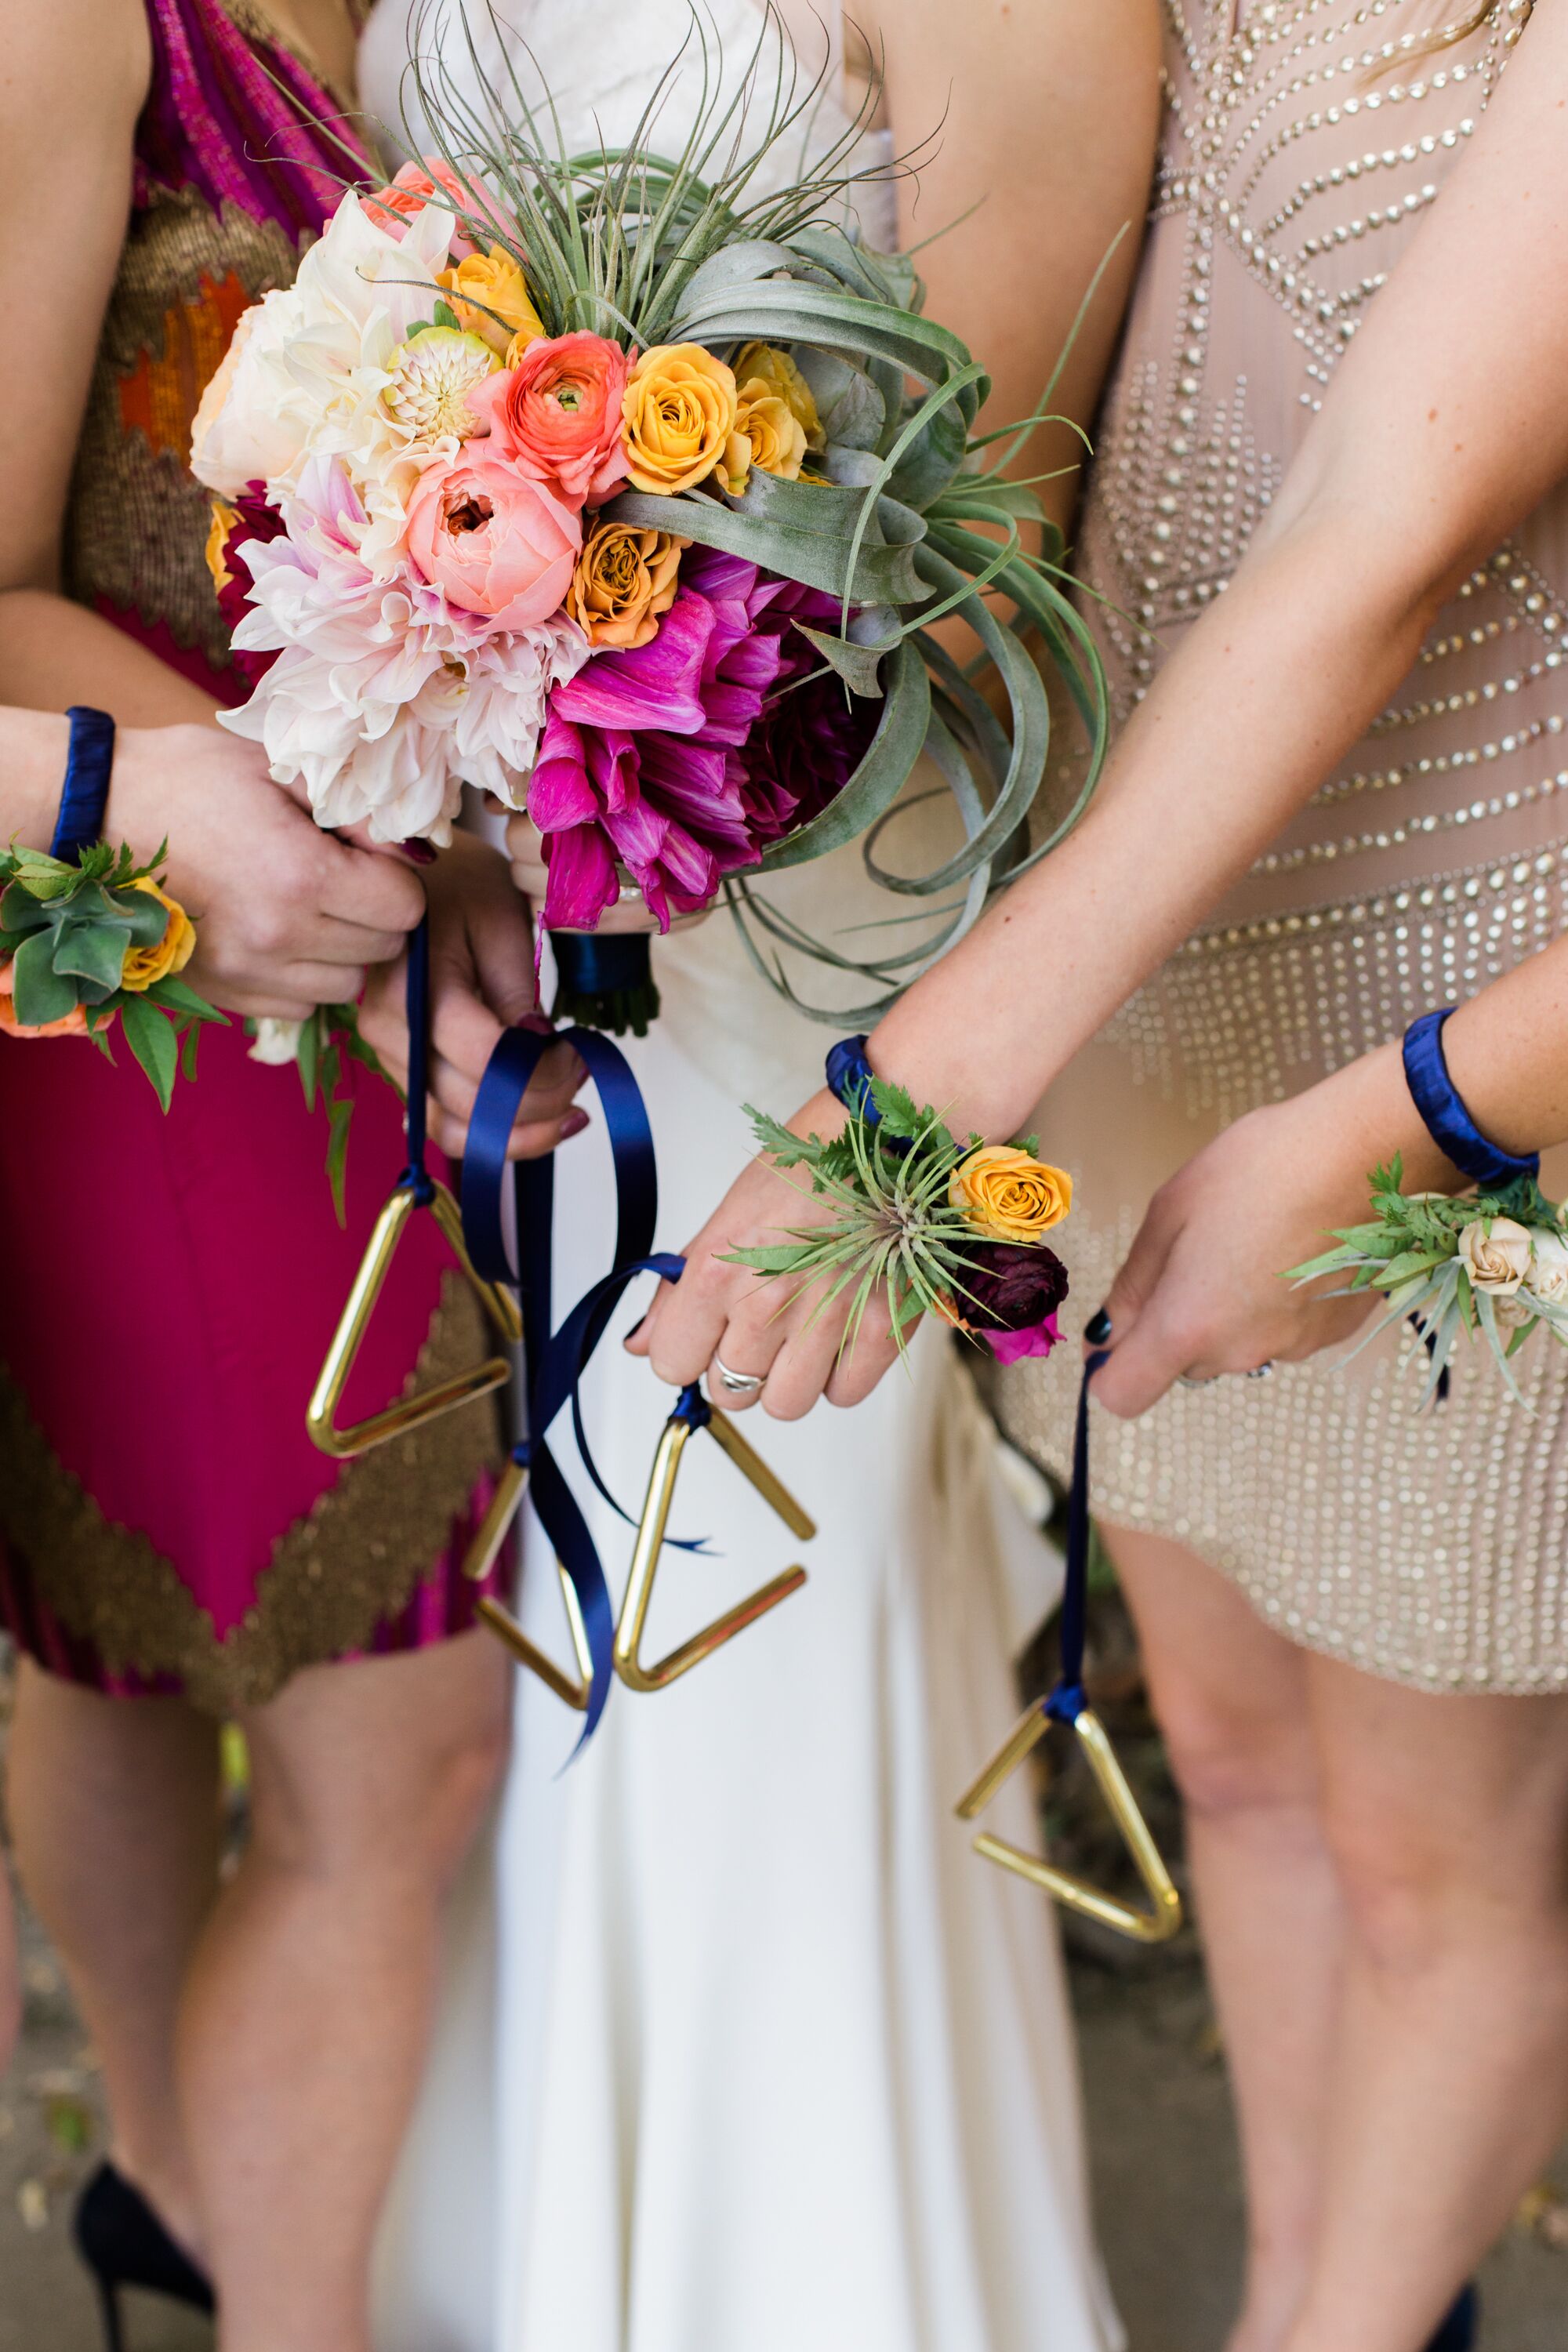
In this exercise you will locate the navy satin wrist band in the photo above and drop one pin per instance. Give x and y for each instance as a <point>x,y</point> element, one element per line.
<point>1443,1111</point>
<point>849,1077</point>
<point>84,795</point>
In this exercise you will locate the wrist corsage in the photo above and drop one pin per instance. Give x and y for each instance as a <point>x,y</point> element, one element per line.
<point>1496,1262</point>
<point>927,1221</point>
<point>85,939</point>
<point>1493,1260</point>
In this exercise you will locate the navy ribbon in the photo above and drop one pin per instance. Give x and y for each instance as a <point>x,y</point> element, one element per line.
<point>850,1076</point>
<point>1067,1698</point>
<point>555,1360</point>
<point>1444,1113</point>
<point>84,795</point>
<point>416,999</point>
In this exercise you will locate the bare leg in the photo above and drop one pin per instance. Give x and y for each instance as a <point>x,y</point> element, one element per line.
<point>10,1973</point>
<point>306,2018</point>
<point>1231,1698</point>
<point>1449,1820</point>
<point>114,1809</point>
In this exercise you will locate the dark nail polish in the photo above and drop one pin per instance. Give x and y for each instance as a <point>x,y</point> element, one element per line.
<point>574,1123</point>
<point>420,851</point>
<point>539,1025</point>
<point>1096,1330</point>
<point>637,1327</point>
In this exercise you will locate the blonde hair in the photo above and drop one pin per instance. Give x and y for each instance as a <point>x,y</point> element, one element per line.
<point>1413,46</point>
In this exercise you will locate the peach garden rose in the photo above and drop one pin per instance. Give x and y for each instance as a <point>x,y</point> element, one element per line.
<point>494,541</point>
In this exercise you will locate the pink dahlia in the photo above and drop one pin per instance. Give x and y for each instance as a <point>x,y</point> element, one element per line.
<point>684,759</point>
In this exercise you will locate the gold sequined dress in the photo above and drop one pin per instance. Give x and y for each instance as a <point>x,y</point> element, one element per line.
<point>1302,147</point>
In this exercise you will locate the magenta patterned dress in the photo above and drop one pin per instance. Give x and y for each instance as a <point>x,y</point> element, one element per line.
<point>172,1283</point>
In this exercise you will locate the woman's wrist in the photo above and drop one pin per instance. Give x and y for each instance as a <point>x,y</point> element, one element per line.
<point>37,745</point>
<point>1377,1118</point>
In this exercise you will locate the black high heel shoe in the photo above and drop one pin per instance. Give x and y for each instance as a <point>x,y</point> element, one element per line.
<point>1457,2333</point>
<point>123,2243</point>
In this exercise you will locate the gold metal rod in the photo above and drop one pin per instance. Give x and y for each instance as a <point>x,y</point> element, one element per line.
<point>649,1548</point>
<point>527,1653</point>
<point>409,1411</point>
<point>496,1524</point>
<point>1026,1734</point>
<point>767,1483</point>
<point>1163,1917</point>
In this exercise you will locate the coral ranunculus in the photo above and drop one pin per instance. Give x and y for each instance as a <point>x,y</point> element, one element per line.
<point>173,953</point>
<point>419,185</point>
<point>679,414</point>
<point>1009,1194</point>
<point>73,1024</point>
<point>489,295</point>
<point>556,414</point>
<point>492,540</point>
<point>625,579</point>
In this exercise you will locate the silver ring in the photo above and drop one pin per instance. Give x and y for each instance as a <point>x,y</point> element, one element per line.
<point>1262,1371</point>
<point>738,1383</point>
<point>628,894</point>
<point>1196,1379</point>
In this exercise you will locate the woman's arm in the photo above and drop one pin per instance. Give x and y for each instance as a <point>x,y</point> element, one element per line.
<point>1200,1291</point>
<point>1443,425</point>
<point>1044,118</point>
<point>289,916</point>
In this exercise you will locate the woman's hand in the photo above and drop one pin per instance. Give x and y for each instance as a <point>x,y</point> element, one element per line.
<point>721,1312</point>
<point>287,917</point>
<point>525,847</point>
<point>1200,1292</point>
<point>481,982</point>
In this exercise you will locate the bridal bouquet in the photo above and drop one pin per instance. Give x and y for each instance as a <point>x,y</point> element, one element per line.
<point>88,941</point>
<point>600,484</point>
<point>926,1221</point>
<point>1492,1262</point>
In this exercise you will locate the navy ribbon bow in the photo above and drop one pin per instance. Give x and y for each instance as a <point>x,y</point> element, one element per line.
<point>555,1359</point>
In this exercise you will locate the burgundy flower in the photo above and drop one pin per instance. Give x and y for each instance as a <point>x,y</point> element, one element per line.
<point>254,519</point>
<point>666,754</point>
<point>1009,1287</point>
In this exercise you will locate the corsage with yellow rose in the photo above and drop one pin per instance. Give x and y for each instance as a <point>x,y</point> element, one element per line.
<point>1493,1260</point>
<point>91,938</point>
<point>932,1222</point>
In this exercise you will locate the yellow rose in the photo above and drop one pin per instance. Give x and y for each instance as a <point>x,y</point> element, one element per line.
<point>768,435</point>
<point>494,279</point>
<point>172,954</point>
<point>223,522</point>
<point>1008,1195</point>
<point>678,416</point>
<point>779,372</point>
<point>625,579</point>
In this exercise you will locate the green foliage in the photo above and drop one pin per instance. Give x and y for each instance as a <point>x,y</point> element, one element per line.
<point>66,927</point>
<point>892,1231</point>
<point>329,1041</point>
<point>1408,1252</point>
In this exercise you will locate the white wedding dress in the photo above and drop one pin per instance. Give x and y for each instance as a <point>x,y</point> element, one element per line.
<point>782,2066</point>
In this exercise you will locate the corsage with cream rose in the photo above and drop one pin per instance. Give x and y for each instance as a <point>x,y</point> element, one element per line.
<point>86,941</point>
<point>630,497</point>
<point>1496,1262</point>
<point>925,1220</point>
